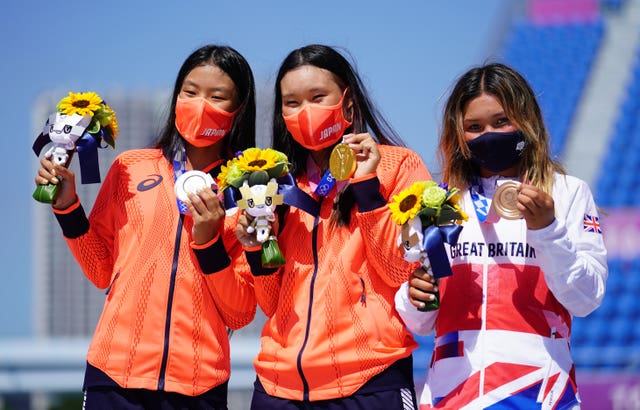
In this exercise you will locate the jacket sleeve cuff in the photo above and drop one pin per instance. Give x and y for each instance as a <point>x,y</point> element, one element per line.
<point>254,257</point>
<point>555,233</point>
<point>366,190</point>
<point>72,220</point>
<point>212,256</point>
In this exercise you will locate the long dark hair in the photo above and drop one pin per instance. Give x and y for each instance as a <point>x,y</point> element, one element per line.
<point>366,117</point>
<point>243,133</point>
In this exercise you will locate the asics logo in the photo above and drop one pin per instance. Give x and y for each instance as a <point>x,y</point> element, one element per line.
<point>149,183</point>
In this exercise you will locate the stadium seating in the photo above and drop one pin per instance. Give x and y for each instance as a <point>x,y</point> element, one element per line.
<point>617,186</point>
<point>613,5</point>
<point>556,60</point>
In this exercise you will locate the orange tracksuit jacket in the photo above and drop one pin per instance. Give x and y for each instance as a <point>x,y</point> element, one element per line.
<point>331,323</point>
<point>163,322</point>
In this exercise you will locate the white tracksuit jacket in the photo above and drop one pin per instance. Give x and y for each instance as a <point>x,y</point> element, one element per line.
<point>503,327</point>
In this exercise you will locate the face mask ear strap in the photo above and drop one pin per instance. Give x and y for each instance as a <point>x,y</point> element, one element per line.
<point>348,111</point>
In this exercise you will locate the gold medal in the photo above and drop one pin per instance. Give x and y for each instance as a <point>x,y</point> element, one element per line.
<point>342,162</point>
<point>505,200</point>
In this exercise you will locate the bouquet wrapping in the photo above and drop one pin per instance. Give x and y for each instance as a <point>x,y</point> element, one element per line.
<point>80,124</point>
<point>429,216</point>
<point>249,182</point>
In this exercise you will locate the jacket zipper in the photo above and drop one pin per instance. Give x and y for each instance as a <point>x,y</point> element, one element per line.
<point>113,282</point>
<point>314,248</point>
<point>172,285</point>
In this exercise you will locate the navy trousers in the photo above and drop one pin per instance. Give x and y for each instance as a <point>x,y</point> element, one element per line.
<point>393,389</point>
<point>109,398</point>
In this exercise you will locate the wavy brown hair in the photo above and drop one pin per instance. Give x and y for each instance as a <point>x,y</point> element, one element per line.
<point>521,107</point>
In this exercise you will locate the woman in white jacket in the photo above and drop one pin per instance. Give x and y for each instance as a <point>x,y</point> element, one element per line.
<point>528,259</point>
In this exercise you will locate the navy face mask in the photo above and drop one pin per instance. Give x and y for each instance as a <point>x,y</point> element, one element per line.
<point>497,151</point>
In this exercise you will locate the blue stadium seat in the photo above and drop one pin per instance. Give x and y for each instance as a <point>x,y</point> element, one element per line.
<point>613,5</point>
<point>556,61</point>
<point>625,148</point>
<point>609,338</point>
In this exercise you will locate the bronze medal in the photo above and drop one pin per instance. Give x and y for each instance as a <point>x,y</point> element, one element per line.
<point>505,200</point>
<point>342,162</point>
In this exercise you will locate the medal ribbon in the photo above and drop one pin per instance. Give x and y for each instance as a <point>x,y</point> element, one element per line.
<point>326,184</point>
<point>480,202</point>
<point>179,168</point>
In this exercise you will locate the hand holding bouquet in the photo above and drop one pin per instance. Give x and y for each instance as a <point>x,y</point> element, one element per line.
<point>429,216</point>
<point>82,121</point>
<point>249,182</point>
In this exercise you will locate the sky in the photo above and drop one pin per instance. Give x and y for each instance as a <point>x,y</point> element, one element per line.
<point>408,54</point>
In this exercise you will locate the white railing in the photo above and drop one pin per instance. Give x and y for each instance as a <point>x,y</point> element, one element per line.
<point>57,365</point>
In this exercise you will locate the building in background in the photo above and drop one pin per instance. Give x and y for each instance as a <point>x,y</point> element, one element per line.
<point>66,303</point>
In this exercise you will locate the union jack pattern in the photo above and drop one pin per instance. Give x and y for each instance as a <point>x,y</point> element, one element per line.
<point>503,382</point>
<point>591,224</point>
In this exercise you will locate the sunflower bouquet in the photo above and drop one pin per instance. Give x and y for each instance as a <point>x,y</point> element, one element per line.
<point>249,182</point>
<point>429,216</point>
<point>81,123</point>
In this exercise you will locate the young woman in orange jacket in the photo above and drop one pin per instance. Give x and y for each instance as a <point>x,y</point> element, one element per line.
<point>161,341</point>
<point>333,338</point>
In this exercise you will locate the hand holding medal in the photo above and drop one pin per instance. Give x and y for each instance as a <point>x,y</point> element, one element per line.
<point>356,156</point>
<point>536,205</point>
<point>193,182</point>
<point>505,200</point>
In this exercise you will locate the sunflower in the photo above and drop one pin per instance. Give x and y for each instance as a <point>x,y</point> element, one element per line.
<point>221,179</point>
<point>407,203</point>
<point>278,156</point>
<point>80,103</point>
<point>114,127</point>
<point>110,119</point>
<point>463,214</point>
<point>255,159</point>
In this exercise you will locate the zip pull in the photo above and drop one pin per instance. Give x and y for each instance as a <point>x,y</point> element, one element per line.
<point>363,297</point>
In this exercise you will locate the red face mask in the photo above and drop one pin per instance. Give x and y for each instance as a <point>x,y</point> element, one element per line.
<point>200,122</point>
<point>317,126</point>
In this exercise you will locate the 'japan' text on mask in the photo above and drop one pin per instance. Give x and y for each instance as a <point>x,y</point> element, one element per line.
<point>317,126</point>
<point>200,122</point>
<point>497,151</point>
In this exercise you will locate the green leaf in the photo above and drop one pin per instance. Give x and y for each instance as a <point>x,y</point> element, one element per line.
<point>237,182</point>
<point>426,211</point>
<point>278,170</point>
<point>94,127</point>
<point>271,256</point>
<point>259,177</point>
<point>448,214</point>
